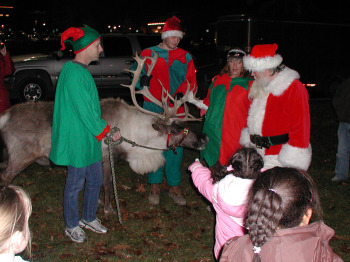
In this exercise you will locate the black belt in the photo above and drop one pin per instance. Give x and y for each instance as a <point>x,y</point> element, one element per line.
<point>267,141</point>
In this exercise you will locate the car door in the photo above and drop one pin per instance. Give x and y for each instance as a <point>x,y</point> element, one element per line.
<point>116,57</point>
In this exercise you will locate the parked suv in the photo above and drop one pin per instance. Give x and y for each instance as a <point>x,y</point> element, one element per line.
<point>36,76</point>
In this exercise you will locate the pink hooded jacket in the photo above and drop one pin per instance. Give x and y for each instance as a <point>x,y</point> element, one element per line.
<point>228,197</point>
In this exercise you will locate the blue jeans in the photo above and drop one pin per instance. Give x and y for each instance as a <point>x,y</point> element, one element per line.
<point>92,177</point>
<point>343,151</point>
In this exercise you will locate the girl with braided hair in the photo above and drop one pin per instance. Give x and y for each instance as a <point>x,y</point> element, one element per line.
<point>281,203</point>
<point>227,187</point>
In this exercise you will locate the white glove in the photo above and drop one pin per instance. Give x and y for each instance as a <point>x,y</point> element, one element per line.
<point>196,102</point>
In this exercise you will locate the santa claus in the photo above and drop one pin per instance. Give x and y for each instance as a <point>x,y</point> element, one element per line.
<point>278,124</point>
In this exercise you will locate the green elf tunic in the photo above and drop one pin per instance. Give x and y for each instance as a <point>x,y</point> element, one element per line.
<point>77,128</point>
<point>226,116</point>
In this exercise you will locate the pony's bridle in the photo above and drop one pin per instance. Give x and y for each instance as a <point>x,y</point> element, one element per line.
<point>184,133</point>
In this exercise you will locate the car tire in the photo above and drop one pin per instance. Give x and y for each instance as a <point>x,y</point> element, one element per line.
<point>32,89</point>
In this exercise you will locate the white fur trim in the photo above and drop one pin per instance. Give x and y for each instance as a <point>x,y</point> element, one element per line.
<point>282,81</point>
<point>270,161</point>
<point>169,33</point>
<point>260,64</point>
<point>256,115</point>
<point>244,139</point>
<point>296,157</point>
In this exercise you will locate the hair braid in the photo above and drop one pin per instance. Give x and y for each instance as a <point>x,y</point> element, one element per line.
<point>263,217</point>
<point>279,198</point>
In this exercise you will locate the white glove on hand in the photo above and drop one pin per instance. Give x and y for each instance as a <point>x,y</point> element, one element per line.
<point>196,102</point>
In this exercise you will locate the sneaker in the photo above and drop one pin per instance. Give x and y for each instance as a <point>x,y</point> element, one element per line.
<point>76,234</point>
<point>153,197</point>
<point>93,226</point>
<point>175,193</point>
<point>337,179</point>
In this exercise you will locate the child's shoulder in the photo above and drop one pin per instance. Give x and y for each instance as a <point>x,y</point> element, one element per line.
<point>19,259</point>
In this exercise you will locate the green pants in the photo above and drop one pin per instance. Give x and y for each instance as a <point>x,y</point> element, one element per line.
<point>171,169</point>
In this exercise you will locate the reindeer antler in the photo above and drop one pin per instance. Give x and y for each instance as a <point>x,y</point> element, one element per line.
<point>169,113</point>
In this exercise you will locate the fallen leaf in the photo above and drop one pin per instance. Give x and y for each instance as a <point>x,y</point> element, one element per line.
<point>140,188</point>
<point>121,247</point>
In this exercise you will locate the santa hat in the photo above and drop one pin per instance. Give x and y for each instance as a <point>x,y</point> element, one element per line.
<point>79,38</point>
<point>172,28</point>
<point>262,57</point>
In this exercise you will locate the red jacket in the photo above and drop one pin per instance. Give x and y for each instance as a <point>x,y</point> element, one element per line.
<point>303,244</point>
<point>283,108</point>
<point>6,68</point>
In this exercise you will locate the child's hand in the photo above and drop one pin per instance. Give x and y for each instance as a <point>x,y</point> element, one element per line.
<point>194,165</point>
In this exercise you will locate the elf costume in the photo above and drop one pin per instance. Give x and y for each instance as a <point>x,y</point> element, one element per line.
<point>77,119</point>
<point>77,127</point>
<point>279,113</point>
<point>175,70</point>
<point>77,131</point>
<point>226,116</point>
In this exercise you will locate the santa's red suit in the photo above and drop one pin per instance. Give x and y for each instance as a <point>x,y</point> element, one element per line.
<point>281,108</point>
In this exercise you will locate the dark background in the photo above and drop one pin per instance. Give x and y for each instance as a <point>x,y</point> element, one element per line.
<point>318,51</point>
<point>195,16</point>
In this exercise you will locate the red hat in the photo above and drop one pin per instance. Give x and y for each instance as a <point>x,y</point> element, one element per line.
<point>262,57</point>
<point>172,28</point>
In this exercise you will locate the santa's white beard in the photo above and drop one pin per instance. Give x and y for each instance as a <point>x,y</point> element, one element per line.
<point>258,87</point>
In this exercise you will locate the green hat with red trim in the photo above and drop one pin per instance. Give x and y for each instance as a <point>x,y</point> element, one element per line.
<point>79,37</point>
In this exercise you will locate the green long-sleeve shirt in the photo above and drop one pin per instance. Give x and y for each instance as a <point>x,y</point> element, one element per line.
<point>76,118</point>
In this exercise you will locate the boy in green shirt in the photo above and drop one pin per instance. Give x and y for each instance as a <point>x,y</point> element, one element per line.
<point>77,131</point>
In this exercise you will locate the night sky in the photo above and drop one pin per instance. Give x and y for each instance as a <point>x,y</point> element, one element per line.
<point>196,14</point>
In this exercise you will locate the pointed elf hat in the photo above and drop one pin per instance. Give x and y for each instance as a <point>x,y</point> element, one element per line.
<point>79,38</point>
<point>262,57</point>
<point>172,28</point>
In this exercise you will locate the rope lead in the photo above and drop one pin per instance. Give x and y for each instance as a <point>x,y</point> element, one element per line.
<point>109,141</point>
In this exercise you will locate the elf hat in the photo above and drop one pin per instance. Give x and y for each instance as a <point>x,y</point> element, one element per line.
<point>172,28</point>
<point>262,57</point>
<point>236,53</point>
<point>79,38</point>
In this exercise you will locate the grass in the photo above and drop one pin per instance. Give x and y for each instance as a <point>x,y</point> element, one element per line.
<point>169,232</point>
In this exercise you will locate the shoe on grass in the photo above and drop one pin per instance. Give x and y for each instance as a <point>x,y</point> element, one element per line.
<point>175,193</point>
<point>153,197</point>
<point>76,234</point>
<point>337,179</point>
<point>94,226</point>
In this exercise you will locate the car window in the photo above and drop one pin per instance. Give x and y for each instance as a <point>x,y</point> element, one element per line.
<point>117,46</point>
<point>149,40</point>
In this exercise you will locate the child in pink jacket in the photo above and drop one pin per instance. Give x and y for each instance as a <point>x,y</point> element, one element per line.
<point>227,187</point>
